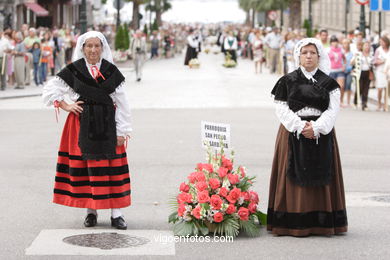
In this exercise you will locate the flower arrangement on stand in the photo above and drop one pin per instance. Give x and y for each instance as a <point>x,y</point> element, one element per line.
<point>217,198</point>
<point>229,63</point>
<point>120,56</point>
<point>194,64</point>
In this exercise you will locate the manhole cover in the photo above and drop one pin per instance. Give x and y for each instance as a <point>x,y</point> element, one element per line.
<point>384,198</point>
<point>106,241</point>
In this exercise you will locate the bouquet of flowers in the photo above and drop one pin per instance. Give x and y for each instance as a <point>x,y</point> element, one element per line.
<point>229,63</point>
<point>194,64</point>
<point>120,56</point>
<point>217,198</point>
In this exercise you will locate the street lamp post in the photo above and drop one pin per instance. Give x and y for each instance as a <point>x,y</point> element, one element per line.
<point>310,17</point>
<point>118,18</point>
<point>83,16</point>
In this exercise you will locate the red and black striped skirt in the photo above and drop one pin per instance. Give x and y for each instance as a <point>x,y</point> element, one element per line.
<point>94,184</point>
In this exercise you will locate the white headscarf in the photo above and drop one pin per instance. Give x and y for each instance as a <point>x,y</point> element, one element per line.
<point>324,61</point>
<point>78,51</point>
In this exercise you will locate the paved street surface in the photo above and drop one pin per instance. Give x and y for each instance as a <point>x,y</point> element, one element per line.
<point>168,106</point>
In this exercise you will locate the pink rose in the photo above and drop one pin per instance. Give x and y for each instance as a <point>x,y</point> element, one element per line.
<point>222,172</point>
<point>184,197</point>
<point>233,178</point>
<point>218,217</point>
<point>243,213</point>
<point>184,187</point>
<point>214,183</point>
<point>230,209</point>
<point>252,207</point>
<point>223,192</point>
<point>227,163</point>
<point>181,209</point>
<point>254,197</point>
<point>199,166</point>
<point>234,195</point>
<point>200,176</point>
<point>202,185</point>
<point>203,196</point>
<point>208,167</point>
<point>192,177</point>
<point>215,202</point>
<point>196,212</point>
<point>243,172</point>
<point>245,195</point>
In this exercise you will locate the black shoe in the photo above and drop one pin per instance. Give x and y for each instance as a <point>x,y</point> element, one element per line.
<point>139,79</point>
<point>90,220</point>
<point>118,223</point>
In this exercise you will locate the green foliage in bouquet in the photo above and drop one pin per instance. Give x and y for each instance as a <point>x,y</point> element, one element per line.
<point>217,199</point>
<point>229,63</point>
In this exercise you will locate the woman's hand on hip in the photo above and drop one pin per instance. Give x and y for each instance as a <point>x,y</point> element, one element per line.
<point>73,108</point>
<point>120,140</point>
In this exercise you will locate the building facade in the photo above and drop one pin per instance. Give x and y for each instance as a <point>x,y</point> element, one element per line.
<point>342,15</point>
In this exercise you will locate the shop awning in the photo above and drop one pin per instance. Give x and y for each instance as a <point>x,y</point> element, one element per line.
<point>37,9</point>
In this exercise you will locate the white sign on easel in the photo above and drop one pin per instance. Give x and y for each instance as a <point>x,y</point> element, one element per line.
<point>213,133</point>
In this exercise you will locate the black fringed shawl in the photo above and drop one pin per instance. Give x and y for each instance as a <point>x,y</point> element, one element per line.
<point>97,136</point>
<point>310,162</point>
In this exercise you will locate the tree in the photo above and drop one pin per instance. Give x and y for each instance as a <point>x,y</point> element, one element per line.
<point>159,7</point>
<point>119,39</point>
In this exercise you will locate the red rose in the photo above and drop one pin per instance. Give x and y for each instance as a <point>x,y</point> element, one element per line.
<point>223,192</point>
<point>181,209</point>
<point>245,195</point>
<point>203,196</point>
<point>184,187</point>
<point>192,177</point>
<point>200,176</point>
<point>234,195</point>
<point>227,163</point>
<point>199,166</point>
<point>202,185</point>
<point>243,213</point>
<point>230,209</point>
<point>208,167</point>
<point>184,197</point>
<point>214,183</point>
<point>254,197</point>
<point>215,202</point>
<point>196,212</point>
<point>252,207</point>
<point>218,217</point>
<point>222,172</point>
<point>233,178</point>
<point>242,170</point>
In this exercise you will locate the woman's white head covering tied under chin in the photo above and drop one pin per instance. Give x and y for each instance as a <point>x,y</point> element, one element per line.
<point>78,51</point>
<point>324,61</point>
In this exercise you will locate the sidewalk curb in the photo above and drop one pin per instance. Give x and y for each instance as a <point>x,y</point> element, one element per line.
<point>21,96</point>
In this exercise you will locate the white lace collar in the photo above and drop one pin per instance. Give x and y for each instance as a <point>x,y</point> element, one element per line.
<point>309,75</point>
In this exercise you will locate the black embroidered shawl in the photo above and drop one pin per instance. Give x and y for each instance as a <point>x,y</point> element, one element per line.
<point>97,136</point>
<point>299,92</point>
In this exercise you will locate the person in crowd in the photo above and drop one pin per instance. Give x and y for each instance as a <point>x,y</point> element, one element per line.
<point>68,44</point>
<point>155,44</point>
<point>363,57</point>
<point>324,39</point>
<point>274,42</point>
<point>337,62</point>
<point>231,45</point>
<point>289,46</point>
<point>138,50</point>
<point>20,62</point>
<point>28,42</point>
<point>381,84</point>
<point>306,170</point>
<point>258,52</point>
<point>5,49</point>
<point>36,58</point>
<point>92,169</point>
<point>347,73</point>
<point>47,53</point>
<point>192,47</point>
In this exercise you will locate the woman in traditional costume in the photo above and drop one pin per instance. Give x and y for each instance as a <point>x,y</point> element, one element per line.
<point>92,169</point>
<point>306,193</point>
<point>193,45</point>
